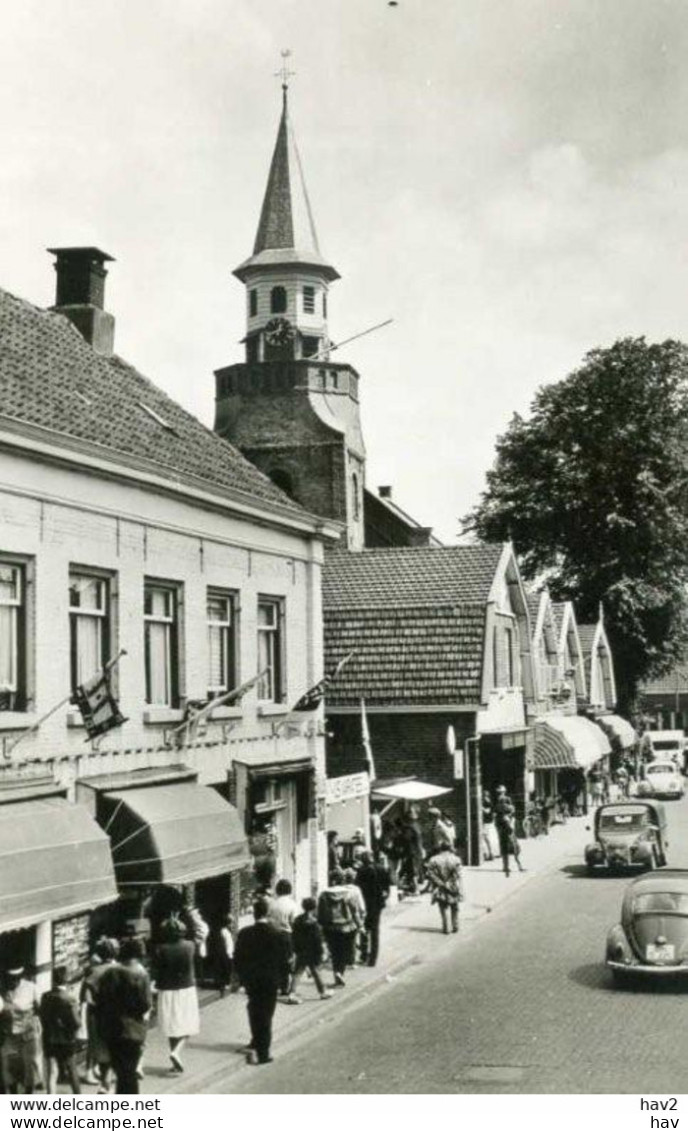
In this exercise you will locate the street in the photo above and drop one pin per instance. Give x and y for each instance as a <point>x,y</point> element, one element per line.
<point>522,1004</point>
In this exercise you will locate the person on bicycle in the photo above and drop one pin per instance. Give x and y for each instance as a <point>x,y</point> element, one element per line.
<point>505,824</point>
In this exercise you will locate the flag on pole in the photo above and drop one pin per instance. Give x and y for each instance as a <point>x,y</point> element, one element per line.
<point>366,741</point>
<point>311,699</point>
<point>99,708</point>
<point>198,711</point>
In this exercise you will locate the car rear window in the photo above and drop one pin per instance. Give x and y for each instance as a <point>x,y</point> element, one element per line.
<point>666,745</point>
<point>623,819</point>
<point>654,902</point>
<point>663,769</point>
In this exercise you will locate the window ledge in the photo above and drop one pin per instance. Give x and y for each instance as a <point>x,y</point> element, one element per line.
<point>17,720</point>
<point>74,718</point>
<point>267,709</point>
<point>153,715</point>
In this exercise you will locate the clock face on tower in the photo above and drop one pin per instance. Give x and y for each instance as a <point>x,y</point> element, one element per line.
<point>279,332</point>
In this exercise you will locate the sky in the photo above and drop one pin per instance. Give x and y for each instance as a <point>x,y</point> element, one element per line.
<point>506,179</point>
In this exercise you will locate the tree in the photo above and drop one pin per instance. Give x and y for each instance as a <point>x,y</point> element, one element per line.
<point>593,491</point>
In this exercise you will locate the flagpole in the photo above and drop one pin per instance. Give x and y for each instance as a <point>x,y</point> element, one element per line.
<point>67,699</point>
<point>227,697</point>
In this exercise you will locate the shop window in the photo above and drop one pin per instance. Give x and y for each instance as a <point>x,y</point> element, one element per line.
<point>278,300</point>
<point>221,617</point>
<point>270,650</point>
<point>309,300</point>
<point>253,303</point>
<point>161,643</point>
<point>89,626</point>
<point>13,690</point>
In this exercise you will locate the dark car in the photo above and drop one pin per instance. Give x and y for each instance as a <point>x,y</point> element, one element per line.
<point>628,834</point>
<point>652,937</point>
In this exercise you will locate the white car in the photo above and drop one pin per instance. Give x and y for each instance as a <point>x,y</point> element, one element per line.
<point>662,779</point>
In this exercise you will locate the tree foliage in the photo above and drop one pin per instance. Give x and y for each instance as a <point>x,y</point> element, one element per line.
<point>593,490</point>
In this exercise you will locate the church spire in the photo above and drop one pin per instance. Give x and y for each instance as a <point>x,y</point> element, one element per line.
<point>286,232</point>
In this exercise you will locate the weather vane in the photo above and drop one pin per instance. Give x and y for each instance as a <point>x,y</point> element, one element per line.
<point>284,73</point>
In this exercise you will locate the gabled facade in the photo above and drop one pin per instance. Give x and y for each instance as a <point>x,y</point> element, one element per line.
<point>441,643</point>
<point>599,666</point>
<point>130,531</point>
<point>558,660</point>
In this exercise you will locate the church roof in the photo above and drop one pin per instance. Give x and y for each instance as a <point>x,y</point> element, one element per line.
<point>51,378</point>
<point>286,229</point>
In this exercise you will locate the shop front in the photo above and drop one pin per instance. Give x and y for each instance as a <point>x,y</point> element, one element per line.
<point>568,749</point>
<point>623,739</point>
<point>348,806</point>
<point>55,871</point>
<point>277,802</point>
<point>505,759</point>
<point>174,844</point>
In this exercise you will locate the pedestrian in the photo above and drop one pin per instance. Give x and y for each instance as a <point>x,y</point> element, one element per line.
<point>60,1023</point>
<point>198,932</point>
<point>282,912</point>
<point>260,961</point>
<point>374,882</point>
<point>106,953</point>
<point>123,1004</point>
<point>308,949</point>
<point>174,977</point>
<point>358,847</point>
<point>221,945</point>
<point>333,852</point>
<point>444,874</point>
<point>505,824</point>
<point>357,908</point>
<point>440,833</point>
<point>20,1032</point>
<point>339,922</point>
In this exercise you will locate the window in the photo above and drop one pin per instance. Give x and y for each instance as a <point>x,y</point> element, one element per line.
<point>310,346</point>
<point>356,497</point>
<point>89,611</point>
<point>253,303</point>
<point>509,648</point>
<point>309,300</point>
<point>324,304</point>
<point>270,645</point>
<point>12,637</point>
<point>278,300</point>
<point>160,614</point>
<point>221,642</point>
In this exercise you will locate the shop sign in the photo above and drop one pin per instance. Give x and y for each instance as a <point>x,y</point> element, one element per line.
<point>70,945</point>
<point>347,787</point>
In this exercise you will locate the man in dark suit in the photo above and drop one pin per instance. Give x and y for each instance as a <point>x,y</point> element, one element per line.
<point>261,961</point>
<point>373,880</point>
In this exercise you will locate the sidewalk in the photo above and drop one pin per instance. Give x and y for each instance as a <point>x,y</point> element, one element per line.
<point>410,935</point>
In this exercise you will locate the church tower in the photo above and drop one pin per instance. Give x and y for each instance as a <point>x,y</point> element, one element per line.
<point>290,409</point>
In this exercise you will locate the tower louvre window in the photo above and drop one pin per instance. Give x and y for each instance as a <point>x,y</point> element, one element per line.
<point>278,300</point>
<point>310,346</point>
<point>309,300</point>
<point>253,303</point>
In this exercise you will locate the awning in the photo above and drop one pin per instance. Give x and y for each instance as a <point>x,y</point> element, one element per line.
<point>172,834</point>
<point>409,791</point>
<point>620,729</point>
<point>568,741</point>
<point>54,862</point>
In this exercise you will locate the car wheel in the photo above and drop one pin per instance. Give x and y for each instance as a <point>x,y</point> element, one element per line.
<point>620,978</point>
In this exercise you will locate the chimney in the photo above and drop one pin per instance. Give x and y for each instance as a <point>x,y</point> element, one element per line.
<point>81,275</point>
<point>385,492</point>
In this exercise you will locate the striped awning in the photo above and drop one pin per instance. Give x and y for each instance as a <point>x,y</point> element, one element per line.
<point>619,728</point>
<point>568,741</point>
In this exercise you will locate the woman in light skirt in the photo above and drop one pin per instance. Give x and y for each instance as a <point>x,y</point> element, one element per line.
<point>173,972</point>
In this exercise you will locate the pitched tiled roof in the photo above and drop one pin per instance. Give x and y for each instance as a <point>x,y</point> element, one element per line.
<point>51,377</point>
<point>409,576</point>
<point>674,681</point>
<point>586,635</point>
<point>431,654</point>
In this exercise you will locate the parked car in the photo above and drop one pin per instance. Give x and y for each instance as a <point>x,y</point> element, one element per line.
<point>628,834</point>
<point>666,745</point>
<point>662,779</point>
<point>652,938</point>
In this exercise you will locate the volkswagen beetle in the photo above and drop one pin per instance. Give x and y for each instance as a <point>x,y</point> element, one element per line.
<point>662,779</point>
<point>652,937</point>
<point>627,834</point>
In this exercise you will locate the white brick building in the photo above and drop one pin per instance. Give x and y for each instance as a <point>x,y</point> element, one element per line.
<point>125,524</point>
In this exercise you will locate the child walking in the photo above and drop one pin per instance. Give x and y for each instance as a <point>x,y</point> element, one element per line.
<point>308,950</point>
